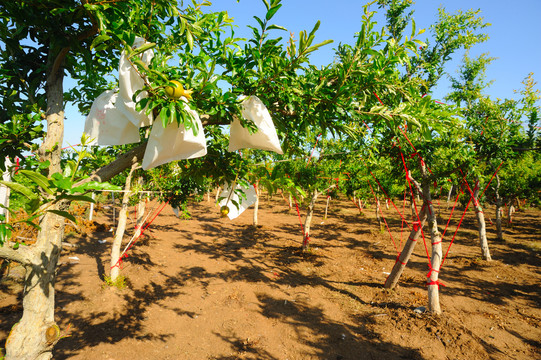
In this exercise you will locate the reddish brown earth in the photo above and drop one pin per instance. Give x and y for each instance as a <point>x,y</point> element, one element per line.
<point>211,288</point>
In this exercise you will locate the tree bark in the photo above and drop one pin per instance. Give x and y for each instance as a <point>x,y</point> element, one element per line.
<point>409,246</point>
<point>436,257</point>
<point>483,242</point>
<point>499,210</point>
<point>122,163</point>
<point>449,195</point>
<point>34,336</point>
<point>510,212</point>
<point>378,216</point>
<point>327,206</point>
<point>121,228</point>
<point>308,220</point>
<point>290,202</point>
<point>256,205</point>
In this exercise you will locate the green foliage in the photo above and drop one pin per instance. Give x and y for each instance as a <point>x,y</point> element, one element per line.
<point>36,194</point>
<point>119,282</point>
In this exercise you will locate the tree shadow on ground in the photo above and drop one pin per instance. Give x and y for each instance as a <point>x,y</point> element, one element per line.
<point>111,326</point>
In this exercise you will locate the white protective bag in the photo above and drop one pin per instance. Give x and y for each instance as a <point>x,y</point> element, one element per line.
<point>265,138</point>
<point>129,81</point>
<point>106,125</point>
<point>174,142</point>
<point>4,190</point>
<point>244,203</point>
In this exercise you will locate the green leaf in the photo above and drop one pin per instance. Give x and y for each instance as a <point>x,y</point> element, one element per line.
<point>142,49</point>
<point>260,22</point>
<point>317,46</point>
<point>63,183</point>
<point>21,189</point>
<point>94,185</point>
<point>189,39</point>
<point>272,11</point>
<point>99,40</point>
<point>276,27</point>
<point>37,178</point>
<point>77,198</point>
<point>65,214</point>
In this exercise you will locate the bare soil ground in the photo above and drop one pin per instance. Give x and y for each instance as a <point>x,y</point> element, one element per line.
<point>211,288</point>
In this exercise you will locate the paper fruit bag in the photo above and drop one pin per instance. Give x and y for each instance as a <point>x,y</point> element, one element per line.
<point>265,138</point>
<point>129,81</point>
<point>174,143</point>
<point>244,203</point>
<point>106,125</point>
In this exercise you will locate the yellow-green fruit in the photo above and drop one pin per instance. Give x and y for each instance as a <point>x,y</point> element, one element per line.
<point>177,90</point>
<point>224,210</point>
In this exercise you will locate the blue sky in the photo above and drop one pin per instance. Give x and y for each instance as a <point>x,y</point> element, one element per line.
<point>515,36</point>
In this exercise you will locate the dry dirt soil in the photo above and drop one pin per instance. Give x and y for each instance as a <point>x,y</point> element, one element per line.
<point>211,288</point>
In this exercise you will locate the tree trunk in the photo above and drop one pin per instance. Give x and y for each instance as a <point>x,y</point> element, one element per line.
<point>412,208</point>
<point>449,195</point>
<point>483,242</point>
<point>122,217</point>
<point>256,204</point>
<point>510,212</point>
<point>327,206</point>
<point>34,336</point>
<point>499,210</point>
<point>141,207</point>
<point>308,221</point>
<point>218,191</point>
<point>378,207</point>
<point>405,255</point>
<point>436,257</point>
<point>91,210</point>
<point>290,202</point>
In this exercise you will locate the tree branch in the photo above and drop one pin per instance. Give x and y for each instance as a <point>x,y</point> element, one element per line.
<point>123,162</point>
<point>22,255</point>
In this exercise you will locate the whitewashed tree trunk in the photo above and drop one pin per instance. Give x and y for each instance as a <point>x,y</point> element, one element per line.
<point>412,208</point>
<point>378,207</point>
<point>114,207</point>
<point>91,210</point>
<point>483,242</point>
<point>290,202</point>
<point>327,206</point>
<point>308,220</point>
<point>256,204</point>
<point>218,191</point>
<point>499,210</point>
<point>436,257</point>
<point>449,195</point>
<point>510,212</point>
<point>121,228</point>
<point>34,336</point>
<point>141,208</point>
